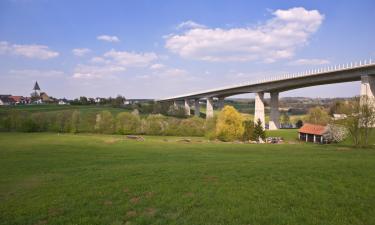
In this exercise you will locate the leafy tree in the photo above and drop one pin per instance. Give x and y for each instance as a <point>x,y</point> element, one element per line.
<point>177,111</point>
<point>285,119</point>
<point>229,125</point>
<point>259,132</point>
<point>75,121</point>
<point>155,125</point>
<point>299,124</point>
<point>127,123</point>
<point>318,115</point>
<point>104,122</point>
<point>248,130</point>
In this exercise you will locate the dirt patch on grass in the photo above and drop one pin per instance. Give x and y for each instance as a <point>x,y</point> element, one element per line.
<point>131,214</point>
<point>149,194</point>
<point>107,203</point>
<point>126,190</point>
<point>135,200</point>
<point>210,179</point>
<point>150,212</point>
<point>110,141</point>
<point>189,194</point>
<point>41,222</point>
<point>54,212</point>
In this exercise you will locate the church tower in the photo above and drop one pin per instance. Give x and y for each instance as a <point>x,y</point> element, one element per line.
<point>36,89</point>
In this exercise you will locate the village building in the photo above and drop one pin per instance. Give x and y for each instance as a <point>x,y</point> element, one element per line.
<point>6,100</point>
<point>314,133</point>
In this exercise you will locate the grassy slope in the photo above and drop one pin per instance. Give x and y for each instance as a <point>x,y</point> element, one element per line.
<point>92,179</point>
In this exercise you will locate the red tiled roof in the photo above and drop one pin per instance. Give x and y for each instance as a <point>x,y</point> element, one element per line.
<point>16,98</point>
<point>308,128</point>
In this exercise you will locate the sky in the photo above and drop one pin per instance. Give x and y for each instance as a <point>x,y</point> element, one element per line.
<point>157,49</point>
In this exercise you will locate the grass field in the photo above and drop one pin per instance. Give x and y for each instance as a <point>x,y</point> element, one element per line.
<point>97,179</point>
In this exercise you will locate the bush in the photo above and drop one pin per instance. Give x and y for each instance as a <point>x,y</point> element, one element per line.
<point>318,115</point>
<point>155,125</point>
<point>127,123</point>
<point>229,124</point>
<point>104,122</point>
<point>248,130</point>
<point>191,127</point>
<point>177,111</point>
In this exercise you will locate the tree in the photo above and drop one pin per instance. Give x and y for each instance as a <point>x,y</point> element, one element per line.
<point>104,122</point>
<point>127,123</point>
<point>360,119</point>
<point>75,121</point>
<point>259,132</point>
<point>229,125</point>
<point>177,111</point>
<point>285,119</point>
<point>248,130</point>
<point>299,124</point>
<point>318,115</point>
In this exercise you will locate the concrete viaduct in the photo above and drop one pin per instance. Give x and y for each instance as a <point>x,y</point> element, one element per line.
<point>363,71</point>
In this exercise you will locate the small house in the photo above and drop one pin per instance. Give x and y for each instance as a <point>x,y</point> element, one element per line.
<point>314,133</point>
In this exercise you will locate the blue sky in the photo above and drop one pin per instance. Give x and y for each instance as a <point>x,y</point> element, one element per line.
<point>155,49</point>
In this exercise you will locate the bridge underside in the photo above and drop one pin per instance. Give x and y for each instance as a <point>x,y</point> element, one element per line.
<point>365,74</point>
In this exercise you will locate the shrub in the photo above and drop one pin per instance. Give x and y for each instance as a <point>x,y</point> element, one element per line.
<point>127,123</point>
<point>210,128</point>
<point>191,127</point>
<point>155,125</point>
<point>248,130</point>
<point>229,124</point>
<point>177,111</point>
<point>259,132</point>
<point>104,122</point>
<point>299,124</point>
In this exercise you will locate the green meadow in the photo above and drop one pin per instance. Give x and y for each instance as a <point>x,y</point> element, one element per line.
<point>50,178</point>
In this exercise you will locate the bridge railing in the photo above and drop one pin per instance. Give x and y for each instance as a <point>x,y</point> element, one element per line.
<point>287,76</point>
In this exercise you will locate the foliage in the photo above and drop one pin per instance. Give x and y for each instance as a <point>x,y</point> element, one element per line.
<point>177,111</point>
<point>285,119</point>
<point>317,115</point>
<point>104,122</point>
<point>360,119</point>
<point>155,125</point>
<point>229,125</point>
<point>75,121</point>
<point>259,132</point>
<point>299,123</point>
<point>127,123</point>
<point>210,128</point>
<point>248,130</point>
<point>337,133</point>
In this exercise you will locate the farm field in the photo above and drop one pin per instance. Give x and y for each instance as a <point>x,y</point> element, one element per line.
<point>49,178</point>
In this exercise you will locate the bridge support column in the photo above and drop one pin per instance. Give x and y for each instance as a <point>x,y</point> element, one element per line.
<point>209,108</point>
<point>175,103</point>
<point>187,107</point>
<point>259,108</point>
<point>221,103</point>
<point>197,110</point>
<point>368,87</point>
<point>274,123</point>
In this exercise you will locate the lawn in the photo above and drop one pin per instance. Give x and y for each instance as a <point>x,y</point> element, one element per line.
<point>97,179</point>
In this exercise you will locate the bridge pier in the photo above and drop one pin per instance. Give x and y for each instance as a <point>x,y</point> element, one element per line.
<point>187,107</point>
<point>274,123</point>
<point>368,87</point>
<point>259,108</point>
<point>221,103</point>
<point>209,108</point>
<point>197,110</point>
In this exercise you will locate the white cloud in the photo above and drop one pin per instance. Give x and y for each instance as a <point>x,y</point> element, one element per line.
<point>29,51</point>
<point>130,58</point>
<point>108,38</point>
<point>309,62</point>
<point>189,25</point>
<point>277,38</point>
<point>94,72</point>
<point>157,66</point>
<point>36,73</point>
<point>80,51</point>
